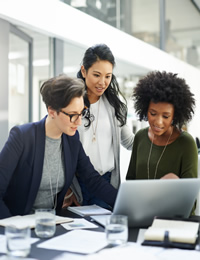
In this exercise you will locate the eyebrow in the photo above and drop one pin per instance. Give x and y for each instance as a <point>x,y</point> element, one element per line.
<point>100,72</point>
<point>74,112</point>
<point>164,113</point>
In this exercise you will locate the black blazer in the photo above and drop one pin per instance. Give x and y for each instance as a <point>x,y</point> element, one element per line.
<point>21,164</point>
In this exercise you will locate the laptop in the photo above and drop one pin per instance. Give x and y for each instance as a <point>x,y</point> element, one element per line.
<point>142,200</point>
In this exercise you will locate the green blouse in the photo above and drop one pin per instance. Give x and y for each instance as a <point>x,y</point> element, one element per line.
<point>179,157</point>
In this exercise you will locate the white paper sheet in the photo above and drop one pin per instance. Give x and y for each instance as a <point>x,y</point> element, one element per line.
<point>70,256</point>
<point>79,223</point>
<point>129,252</point>
<point>174,254</point>
<point>79,241</point>
<point>140,237</point>
<point>134,251</point>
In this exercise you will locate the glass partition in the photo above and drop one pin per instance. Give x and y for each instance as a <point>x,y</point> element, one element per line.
<point>18,105</point>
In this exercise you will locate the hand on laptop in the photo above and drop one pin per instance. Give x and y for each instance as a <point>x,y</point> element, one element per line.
<point>170,176</point>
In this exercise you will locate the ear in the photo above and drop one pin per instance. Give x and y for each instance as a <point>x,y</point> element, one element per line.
<point>83,71</point>
<point>51,112</point>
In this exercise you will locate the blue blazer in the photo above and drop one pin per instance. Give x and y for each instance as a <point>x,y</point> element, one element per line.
<point>21,165</point>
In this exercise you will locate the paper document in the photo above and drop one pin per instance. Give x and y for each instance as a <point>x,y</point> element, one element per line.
<point>79,223</point>
<point>129,251</point>
<point>179,231</point>
<point>139,252</point>
<point>78,241</point>
<point>140,237</point>
<point>89,210</point>
<point>28,220</point>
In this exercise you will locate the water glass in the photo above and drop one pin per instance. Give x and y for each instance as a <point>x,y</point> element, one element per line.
<point>117,229</point>
<point>45,223</point>
<point>18,242</point>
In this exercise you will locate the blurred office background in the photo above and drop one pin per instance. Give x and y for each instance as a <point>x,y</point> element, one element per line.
<point>43,38</point>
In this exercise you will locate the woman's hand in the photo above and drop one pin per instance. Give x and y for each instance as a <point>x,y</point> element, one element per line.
<point>170,176</point>
<point>69,199</point>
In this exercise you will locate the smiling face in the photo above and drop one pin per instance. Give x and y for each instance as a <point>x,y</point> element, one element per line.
<point>59,123</point>
<point>160,117</point>
<point>97,79</point>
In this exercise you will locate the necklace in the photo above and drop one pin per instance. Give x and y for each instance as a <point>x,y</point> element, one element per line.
<point>159,157</point>
<point>94,129</point>
<point>54,201</point>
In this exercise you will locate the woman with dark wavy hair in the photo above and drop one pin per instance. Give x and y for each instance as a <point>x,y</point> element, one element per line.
<point>163,150</point>
<point>104,127</point>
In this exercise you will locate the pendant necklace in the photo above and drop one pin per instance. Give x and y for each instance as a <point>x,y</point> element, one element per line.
<point>160,155</point>
<point>94,129</point>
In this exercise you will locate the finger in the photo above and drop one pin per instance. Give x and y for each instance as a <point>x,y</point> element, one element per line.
<point>65,205</point>
<point>76,203</point>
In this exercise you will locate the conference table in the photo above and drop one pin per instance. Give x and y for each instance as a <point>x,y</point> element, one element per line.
<point>46,254</point>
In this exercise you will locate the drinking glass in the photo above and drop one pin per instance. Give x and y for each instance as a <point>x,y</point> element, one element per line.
<point>45,223</point>
<point>117,229</point>
<point>18,242</point>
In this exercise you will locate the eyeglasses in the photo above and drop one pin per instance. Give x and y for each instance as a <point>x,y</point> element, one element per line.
<point>74,117</point>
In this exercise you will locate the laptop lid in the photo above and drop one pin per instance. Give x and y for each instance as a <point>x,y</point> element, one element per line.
<point>142,200</point>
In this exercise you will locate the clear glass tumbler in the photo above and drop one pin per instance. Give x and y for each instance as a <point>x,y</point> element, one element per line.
<point>45,223</point>
<point>18,242</point>
<point>117,229</point>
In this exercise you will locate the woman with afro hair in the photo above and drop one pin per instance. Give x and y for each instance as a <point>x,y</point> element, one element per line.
<point>163,150</point>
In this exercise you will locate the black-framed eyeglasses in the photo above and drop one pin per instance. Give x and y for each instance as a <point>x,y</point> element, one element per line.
<point>74,117</point>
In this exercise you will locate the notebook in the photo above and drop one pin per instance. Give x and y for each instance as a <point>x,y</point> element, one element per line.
<point>29,220</point>
<point>142,200</point>
<point>172,234</point>
<point>89,210</point>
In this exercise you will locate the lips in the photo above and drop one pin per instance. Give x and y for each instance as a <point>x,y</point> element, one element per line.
<point>157,129</point>
<point>100,89</point>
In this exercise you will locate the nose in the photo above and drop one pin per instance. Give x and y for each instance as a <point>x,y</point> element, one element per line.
<point>159,121</point>
<point>102,81</point>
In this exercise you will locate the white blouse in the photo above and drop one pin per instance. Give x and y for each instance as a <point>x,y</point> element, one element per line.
<point>100,151</point>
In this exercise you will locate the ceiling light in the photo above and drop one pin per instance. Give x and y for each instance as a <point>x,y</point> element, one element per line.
<point>14,55</point>
<point>41,63</point>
